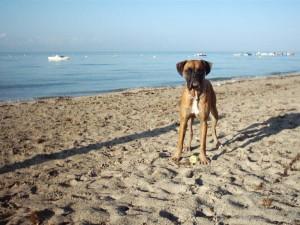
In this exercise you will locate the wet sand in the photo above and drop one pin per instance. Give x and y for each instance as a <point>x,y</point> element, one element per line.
<point>107,159</point>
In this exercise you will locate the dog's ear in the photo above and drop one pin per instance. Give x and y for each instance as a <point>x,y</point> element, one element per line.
<point>180,66</point>
<point>207,66</point>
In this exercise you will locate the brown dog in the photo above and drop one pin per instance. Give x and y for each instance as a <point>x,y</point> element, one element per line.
<point>198,100</point>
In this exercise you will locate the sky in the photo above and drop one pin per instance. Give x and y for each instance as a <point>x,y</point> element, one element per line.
<point>149,25</point>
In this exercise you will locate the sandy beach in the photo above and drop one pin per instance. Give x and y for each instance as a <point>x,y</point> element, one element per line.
<point>106,159</point>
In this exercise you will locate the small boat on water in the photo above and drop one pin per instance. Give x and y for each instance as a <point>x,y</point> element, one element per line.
<point>200,54</point>
<point>260,54</point>
<point>242,54</point>
<point>57,58</point>
<point>237,54</point>
<point>247,54</point>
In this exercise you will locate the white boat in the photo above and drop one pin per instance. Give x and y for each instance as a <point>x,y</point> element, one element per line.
<point>57,58</point>
<point>247,54</point>
<point>200,54</point>
<point>290,54</point>
<point>237,54</point>
<point>260,54</point>
<point>242,54</point>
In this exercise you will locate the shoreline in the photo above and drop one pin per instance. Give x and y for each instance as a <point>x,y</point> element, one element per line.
<point>214,81</point>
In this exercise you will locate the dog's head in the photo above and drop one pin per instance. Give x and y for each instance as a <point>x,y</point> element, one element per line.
<point>193,71</point>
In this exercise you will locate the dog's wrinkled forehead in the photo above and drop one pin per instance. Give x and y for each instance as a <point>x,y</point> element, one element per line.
<point>193,66</point>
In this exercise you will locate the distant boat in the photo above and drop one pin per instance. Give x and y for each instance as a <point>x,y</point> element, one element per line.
<point>275,54</point>
<point>290,54</point>
<point>58,58</point>
<point>237,54</point>
<point>200,54</point>
<point>242,54</point>
<point>247,54</point>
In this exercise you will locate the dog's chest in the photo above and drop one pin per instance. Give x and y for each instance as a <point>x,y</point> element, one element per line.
<point>195,106</point>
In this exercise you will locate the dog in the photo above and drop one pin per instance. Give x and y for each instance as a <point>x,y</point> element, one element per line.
<point>198,100</point>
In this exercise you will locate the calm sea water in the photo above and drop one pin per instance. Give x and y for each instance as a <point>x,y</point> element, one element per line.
<point>30,75</point>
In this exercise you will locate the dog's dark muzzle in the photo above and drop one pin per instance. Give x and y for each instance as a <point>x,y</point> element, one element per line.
<point>194,81</point>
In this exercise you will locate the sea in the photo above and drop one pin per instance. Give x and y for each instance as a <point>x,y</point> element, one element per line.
<point>26,76</point>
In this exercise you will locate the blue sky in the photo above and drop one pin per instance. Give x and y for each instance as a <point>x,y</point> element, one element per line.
<point>149,25</point>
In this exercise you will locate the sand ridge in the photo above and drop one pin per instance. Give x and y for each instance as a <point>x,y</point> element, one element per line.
<point>106,159</point>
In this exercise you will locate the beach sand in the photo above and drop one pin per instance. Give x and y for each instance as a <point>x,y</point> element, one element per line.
<point>107,159</point>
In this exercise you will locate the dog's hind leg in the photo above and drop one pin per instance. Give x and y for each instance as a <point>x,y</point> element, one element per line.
<point>214,117</point>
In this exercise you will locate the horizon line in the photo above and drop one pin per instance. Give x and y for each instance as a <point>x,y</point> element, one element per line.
<point>143,51</point>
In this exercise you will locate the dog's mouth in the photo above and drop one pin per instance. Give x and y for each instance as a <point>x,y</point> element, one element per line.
<point>194,79</point>
<point>195,84</point>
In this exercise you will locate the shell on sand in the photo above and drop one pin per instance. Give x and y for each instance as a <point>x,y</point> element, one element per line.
<point>193,159</point>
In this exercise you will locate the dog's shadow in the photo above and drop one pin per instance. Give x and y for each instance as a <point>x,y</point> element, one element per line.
<point>258,131</point>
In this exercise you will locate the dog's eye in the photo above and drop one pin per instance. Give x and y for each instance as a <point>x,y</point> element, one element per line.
<point>189,70</point>
<point>199,72</point>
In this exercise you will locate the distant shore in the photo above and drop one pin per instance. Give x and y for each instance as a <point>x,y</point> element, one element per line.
<point>105,159</point>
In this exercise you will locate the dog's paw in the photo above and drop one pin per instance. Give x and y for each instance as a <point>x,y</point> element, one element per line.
<point>204,160</point>
<point>176,158</point>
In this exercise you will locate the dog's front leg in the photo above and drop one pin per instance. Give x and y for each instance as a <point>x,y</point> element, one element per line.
<point>189,147</point>
<point>182,131</point>
<point>203,116</point>
<point>203,158</point>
